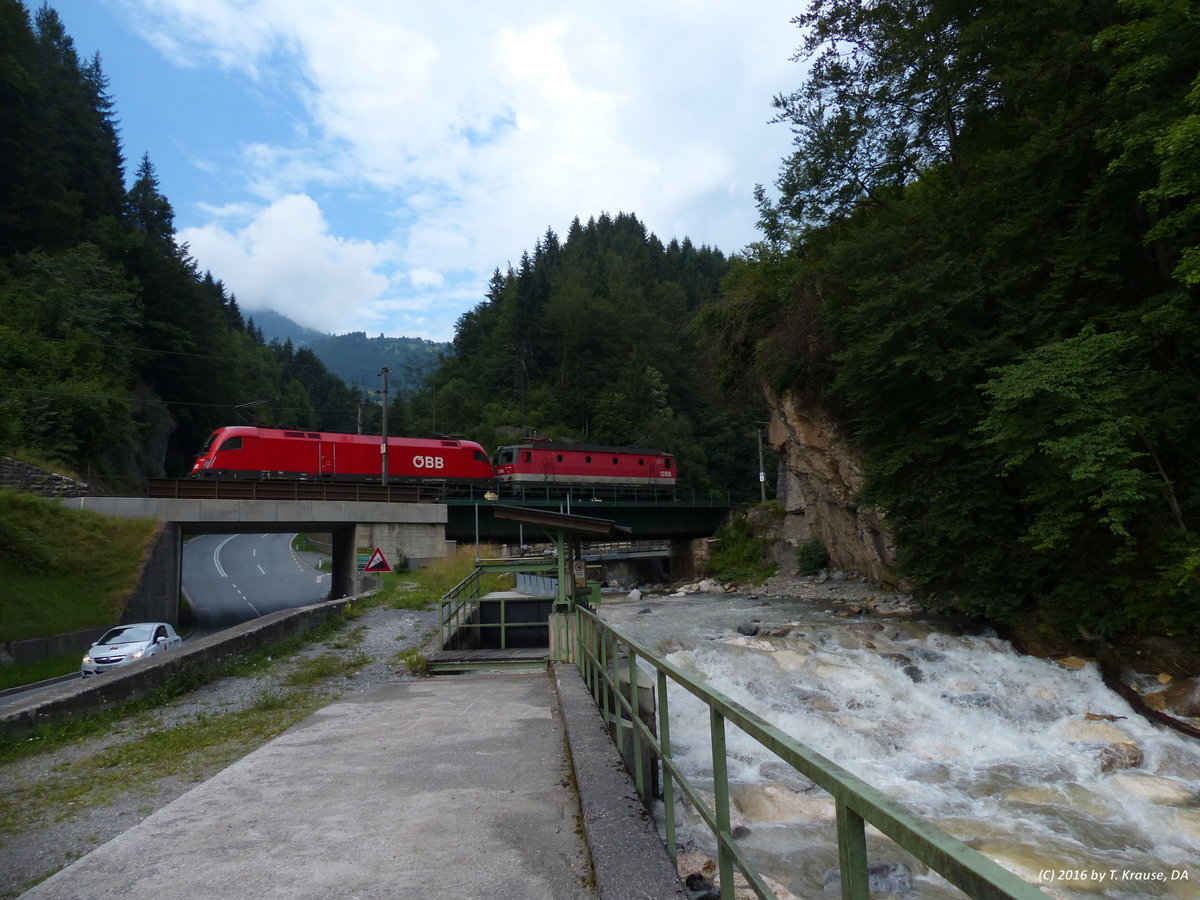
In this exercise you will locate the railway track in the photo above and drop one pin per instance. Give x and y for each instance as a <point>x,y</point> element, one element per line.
<point>194,489</point>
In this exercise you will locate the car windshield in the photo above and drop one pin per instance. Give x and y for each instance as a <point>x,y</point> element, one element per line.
<point>127,634</point>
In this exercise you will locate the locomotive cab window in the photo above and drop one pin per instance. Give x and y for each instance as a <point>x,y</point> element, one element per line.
<point>234,443</point>
<point>616,460</point>
<point>480,456</point>
<point>587,459</point>
<point>503,457</point>
<point>666,463</point>
<point>526,456</point>
<point>559,457</point>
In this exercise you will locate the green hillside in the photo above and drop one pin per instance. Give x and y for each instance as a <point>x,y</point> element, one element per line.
<point>62,570</point>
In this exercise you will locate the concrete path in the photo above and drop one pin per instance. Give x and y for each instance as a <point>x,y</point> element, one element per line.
<point>451,787</point>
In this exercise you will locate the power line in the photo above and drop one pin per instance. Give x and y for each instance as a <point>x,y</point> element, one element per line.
<point>162,401</point>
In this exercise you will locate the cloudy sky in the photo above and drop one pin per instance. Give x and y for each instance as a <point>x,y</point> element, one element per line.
<point>364,165</point>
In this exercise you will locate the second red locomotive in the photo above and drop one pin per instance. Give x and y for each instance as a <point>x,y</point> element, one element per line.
<point>538,462</point>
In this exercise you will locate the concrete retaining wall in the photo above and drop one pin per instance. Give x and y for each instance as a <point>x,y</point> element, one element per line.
<point>34,650</point>
<point>137,680</point>
<point>156,597</point>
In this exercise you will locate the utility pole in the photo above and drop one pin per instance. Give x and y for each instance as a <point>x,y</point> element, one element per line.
<point>383,444</point>
<point>762,476</point>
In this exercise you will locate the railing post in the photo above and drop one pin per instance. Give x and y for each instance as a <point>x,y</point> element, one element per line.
<point>605,683</point>
<point>635,719</point>
<point>852,853</point>
<point>618,712</point>
<point>668,783</point>
<point>721,794</point>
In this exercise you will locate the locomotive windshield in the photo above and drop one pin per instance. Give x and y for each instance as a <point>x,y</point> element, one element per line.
<point>504,456</point>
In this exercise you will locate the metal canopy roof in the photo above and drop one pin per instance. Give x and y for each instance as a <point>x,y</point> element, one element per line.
<point>567,523</point>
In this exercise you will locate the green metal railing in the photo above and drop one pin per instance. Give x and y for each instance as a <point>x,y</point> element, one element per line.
<point>459,611</point>
<point>458,607</point>
<point>602,653</point>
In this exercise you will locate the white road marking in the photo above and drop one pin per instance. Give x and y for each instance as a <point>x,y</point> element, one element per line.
<point>217,555</point>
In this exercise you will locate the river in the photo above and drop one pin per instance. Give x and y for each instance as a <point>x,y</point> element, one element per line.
<point>999,749</point>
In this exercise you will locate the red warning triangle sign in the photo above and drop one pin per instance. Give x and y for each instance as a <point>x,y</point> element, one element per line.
<point>377,562</point>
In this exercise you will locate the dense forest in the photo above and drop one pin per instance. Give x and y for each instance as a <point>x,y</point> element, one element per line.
<point>118,355</point>
<point>984,255</point>
<point>589,338</point>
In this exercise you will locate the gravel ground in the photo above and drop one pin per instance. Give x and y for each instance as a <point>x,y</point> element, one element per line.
<point>63,834</point>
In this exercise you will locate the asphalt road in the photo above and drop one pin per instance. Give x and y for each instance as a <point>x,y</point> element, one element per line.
<point>232,578</point>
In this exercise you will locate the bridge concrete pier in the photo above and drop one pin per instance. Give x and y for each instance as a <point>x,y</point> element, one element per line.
<point>689,558</point>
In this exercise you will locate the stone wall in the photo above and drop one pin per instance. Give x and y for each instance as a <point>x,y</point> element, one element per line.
<point>819,481</point>
<point>19,476</point>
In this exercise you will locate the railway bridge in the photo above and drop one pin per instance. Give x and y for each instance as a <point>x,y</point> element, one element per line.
<point>415,523</point>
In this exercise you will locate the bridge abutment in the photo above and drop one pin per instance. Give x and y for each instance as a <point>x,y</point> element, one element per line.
<point>689,559</point>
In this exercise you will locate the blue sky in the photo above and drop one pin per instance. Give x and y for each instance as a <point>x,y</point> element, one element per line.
<point>364,165</point>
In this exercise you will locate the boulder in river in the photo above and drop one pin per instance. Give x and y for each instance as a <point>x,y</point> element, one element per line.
<point>774,802</point>
<point>1120,756</point>
<point>882,877</point>
<point>1090,732</point>
<point>1155,788</point>
<point>1183,697</point>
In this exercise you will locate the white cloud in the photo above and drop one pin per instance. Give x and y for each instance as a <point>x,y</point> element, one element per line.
<point>462,132</point>
<point>285,259</point>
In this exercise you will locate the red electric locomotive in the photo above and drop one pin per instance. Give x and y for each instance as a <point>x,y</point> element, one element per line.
<point>247,452</point>
<point>537,462</point>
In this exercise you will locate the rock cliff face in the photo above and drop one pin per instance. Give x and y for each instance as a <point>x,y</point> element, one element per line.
<point>819,481</point>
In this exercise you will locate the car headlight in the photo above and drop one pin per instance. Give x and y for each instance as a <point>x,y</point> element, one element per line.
<point>87,659</point>
<point>137,654</point>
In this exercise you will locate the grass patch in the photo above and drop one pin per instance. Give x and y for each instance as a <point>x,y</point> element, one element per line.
<point>328,665</point>
<point>413,660</point>
<point>349,640</point>
<point>740,555</point>
<point>18,674</point>
<point>811,557</point>
<point>419,588</point>
<point>64,570</point>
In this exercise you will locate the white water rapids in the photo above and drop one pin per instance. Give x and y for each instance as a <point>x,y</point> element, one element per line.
<point>994,747</point>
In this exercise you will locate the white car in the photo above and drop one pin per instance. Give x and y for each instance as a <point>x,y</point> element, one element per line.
<point>127,643</point>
